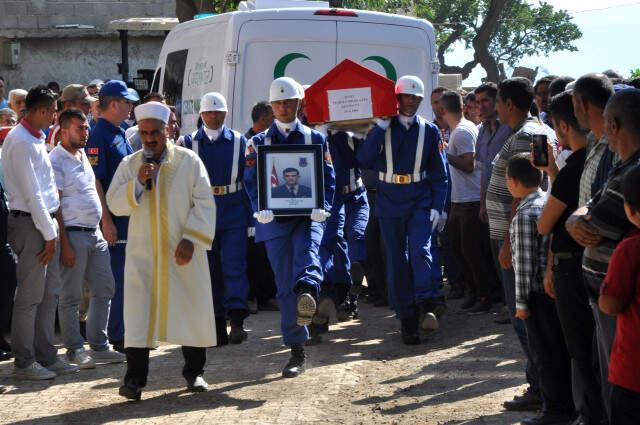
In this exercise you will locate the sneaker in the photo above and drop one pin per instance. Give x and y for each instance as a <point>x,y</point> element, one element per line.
<point>108,356</point>
<point>80,357</point>
<point>503,317</point>
<point>33,372</point>
<point>429,322</point>
<point>63,368</point>
<point>483,306</point>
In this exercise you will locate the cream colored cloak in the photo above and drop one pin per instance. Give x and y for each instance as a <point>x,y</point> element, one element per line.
<point>164,302</point>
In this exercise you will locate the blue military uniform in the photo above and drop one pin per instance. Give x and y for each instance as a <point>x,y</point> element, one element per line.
<point>292,243</point>
<point>105,149</point>
<point>224,161</point>
<point>412,181</point>
<point>344,242</point>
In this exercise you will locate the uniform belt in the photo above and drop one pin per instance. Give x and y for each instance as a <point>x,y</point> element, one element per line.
<point>351,187</point>
<point>80,229</point>
<point>225,190</point>
<point>402,178</point>
<point>18,213</point>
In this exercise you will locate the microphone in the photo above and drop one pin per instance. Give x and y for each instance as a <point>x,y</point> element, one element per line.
<point>148,159</point>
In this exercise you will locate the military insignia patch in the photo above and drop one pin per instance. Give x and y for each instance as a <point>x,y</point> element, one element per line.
<point>250,162</point>
<point>93,151</point>
<point>93,160</point>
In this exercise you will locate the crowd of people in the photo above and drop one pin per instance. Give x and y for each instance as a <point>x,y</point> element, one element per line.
<point>522,197</point>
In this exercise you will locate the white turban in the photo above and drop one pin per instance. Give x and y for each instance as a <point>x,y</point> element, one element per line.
<point>153,110</point>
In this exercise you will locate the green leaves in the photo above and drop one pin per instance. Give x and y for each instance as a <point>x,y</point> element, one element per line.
<point>523,28</point>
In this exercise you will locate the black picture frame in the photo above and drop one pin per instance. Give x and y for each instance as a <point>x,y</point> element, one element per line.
<point>308,161</point>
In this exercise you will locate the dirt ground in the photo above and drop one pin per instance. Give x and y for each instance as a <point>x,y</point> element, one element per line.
<point>361,374</point>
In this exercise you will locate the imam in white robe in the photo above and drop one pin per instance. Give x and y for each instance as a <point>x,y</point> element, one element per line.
<point>165,302</point>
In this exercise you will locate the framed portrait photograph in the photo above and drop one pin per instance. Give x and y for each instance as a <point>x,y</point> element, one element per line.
<point>290,179</point>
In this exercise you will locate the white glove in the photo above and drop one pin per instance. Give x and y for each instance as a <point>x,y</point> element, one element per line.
<point>251,232</point>
<point>435,217</point>
<point>264,216</point>
<point>319,215</point>
<point>383,124</point>
<point>442,221</point>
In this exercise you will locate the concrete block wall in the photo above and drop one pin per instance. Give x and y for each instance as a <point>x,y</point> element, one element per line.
<point>73,55</point>
<point>33,15</point>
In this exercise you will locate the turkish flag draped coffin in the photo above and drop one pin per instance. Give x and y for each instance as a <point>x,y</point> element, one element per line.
<point>350,93</point>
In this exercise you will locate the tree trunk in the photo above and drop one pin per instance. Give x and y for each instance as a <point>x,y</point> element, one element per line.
<point>482,39</point>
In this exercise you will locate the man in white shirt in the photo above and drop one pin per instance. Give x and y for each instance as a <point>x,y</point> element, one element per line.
<point>469,236</point>
<point>33,201</point>
<point>84,253</point>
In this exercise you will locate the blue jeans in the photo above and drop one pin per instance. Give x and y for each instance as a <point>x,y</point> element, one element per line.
<point>509,286</point>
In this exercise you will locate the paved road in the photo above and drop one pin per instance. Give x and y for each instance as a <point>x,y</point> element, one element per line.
<point>361,374</point>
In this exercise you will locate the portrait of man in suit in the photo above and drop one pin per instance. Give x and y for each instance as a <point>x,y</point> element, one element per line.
<point>291,188</point>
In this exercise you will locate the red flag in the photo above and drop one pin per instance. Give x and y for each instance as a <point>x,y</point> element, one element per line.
<point>274,177</point>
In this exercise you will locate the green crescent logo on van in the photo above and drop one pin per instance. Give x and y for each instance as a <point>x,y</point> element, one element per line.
<point>284,61</point>
<point>389,69</point>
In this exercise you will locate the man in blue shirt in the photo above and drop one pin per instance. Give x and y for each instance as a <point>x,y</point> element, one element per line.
<point>222,151</point>
<point>412,189</point>
<point>292,242</point>
<point>105,149</point>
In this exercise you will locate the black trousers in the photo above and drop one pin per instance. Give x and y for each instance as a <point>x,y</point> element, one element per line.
<point>470,243</point>
<point>578,328</point>
<point>7,286</point>
<point>138,364</point>
<point>374,268</point>
<point>625,406</point>
<point>547,342</point>
<point>262,283</point>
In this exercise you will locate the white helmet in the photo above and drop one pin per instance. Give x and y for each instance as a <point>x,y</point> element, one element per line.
<point>213,102</point>
<point>410,84</point>
<point>284,88</point>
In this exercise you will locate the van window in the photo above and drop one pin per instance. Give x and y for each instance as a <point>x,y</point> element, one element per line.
<point>174,78</point>
<point>155,87</point>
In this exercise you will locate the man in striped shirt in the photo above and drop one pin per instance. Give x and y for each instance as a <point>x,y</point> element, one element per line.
<point>590,95</point>
<point>514,100</point>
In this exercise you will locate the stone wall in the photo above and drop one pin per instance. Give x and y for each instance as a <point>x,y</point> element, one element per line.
<point>75,55</point>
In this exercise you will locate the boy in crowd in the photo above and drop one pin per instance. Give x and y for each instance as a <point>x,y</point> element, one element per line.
<point>620,296</point>
<point>533,306</point>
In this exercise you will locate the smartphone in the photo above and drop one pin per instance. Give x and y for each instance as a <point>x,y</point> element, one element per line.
<point>540,152</point>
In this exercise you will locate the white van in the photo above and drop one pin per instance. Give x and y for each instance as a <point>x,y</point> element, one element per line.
<point>240,53</point>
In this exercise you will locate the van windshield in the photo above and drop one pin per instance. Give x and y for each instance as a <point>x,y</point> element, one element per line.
<point>174,78</point>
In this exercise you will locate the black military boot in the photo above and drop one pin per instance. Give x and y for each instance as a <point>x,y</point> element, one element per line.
<point>315,331</point>
<point>221,331</point>
<point>353,305</point>
<point>306,305</point>
<point>409,331</point>
<point>295,365</point>
<point>343,309</point>
<point>238,335</point>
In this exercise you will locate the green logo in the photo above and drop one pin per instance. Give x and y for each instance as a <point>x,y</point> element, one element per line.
<point>281,65</point>
<point>388,67</point>
<point>284,61</point>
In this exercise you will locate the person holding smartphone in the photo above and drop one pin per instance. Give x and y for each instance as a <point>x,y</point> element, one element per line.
<point>563,277</point>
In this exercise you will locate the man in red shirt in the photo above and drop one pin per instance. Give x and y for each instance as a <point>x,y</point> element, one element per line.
<point>620,295</point>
